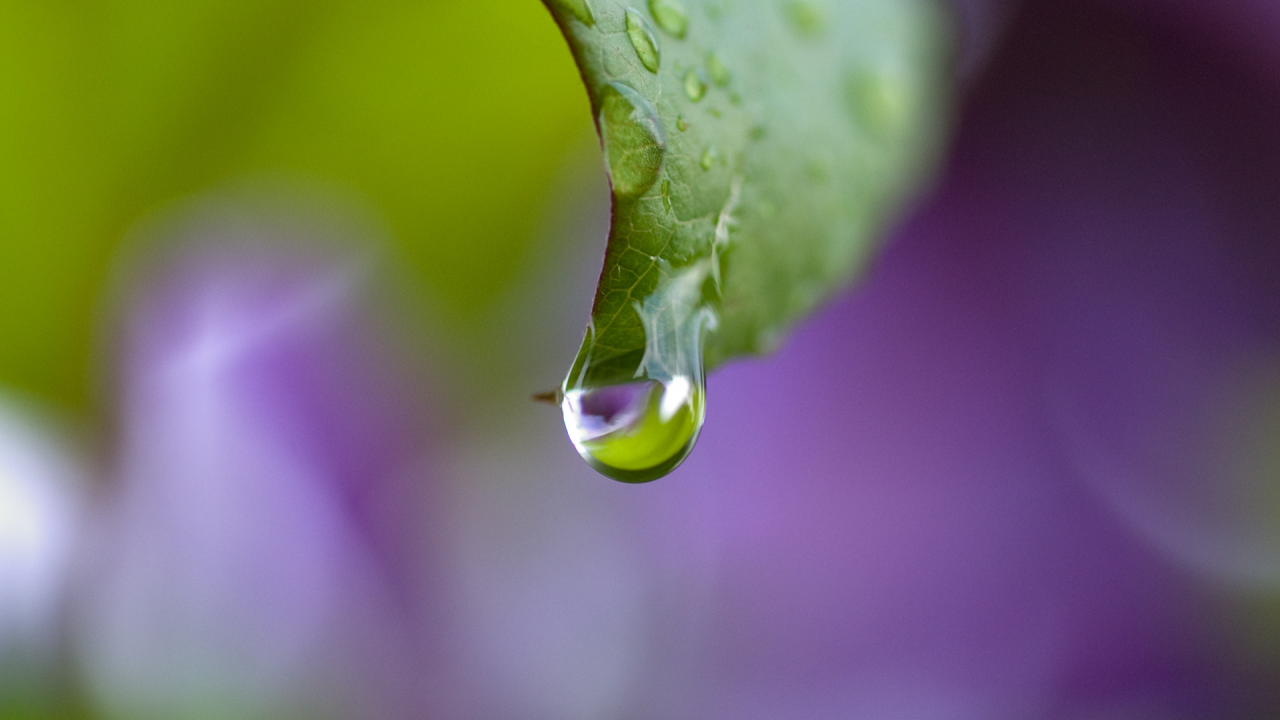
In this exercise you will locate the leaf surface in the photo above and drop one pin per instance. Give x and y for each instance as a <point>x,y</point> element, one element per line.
<point>757,149</point>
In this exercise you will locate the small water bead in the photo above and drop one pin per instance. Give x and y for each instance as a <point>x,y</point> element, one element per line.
<point>635,142</point>
<point>694,86</point>
<point>878,102</point>
<point>639,431</point>
<point>808,18</point>
<point>681,125</point>
<point>709,157</point>
<point>717,71</point>
<point>666,195</point>
<point>670,16</point>
<point>580,9</point>
<point>643,40</point>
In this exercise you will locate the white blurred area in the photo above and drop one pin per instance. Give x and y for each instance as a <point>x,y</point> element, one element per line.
<point>41,504</point>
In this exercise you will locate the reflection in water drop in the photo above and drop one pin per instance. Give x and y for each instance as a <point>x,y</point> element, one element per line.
<point>635,432</point>
<point>642,39</point>
<point>634,140</point>
<point>579,9</point>
<point>670,16</point>
<point>694,86</point>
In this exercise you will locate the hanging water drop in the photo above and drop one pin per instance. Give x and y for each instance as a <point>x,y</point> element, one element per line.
<point>670,16</point>
<point>633,137</point>
<point>635,432</point>
<point>642,39</point>
<point>579,9</point>
<point>634,413</point>
<point>694,86</point>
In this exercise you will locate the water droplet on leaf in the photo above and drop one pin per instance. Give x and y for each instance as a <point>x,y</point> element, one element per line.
<point>709,157</point>
<point>666,195</point>
<point>808,18</point>
<point>717,71</point>
<point>643,40</point>
<point>681,124</point>
<point>694,86</point>
<point>580,9</point>
<point>878,102</point>
<point>633,137</point>
<point>670,16</point>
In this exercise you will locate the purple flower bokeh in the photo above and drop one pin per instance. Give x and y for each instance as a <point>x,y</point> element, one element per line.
<point>257,554</point>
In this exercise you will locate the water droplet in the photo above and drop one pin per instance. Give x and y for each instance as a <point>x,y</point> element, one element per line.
<point>670,16</point>
<point>580,9</point>
<point>717,71</point>
<point>634,140</point>
<point>681,124</point>
<point>666,195</point>
<point>694,86</point>
<point>635,432</point>
<point>643,40</point>
<point>636,420</point>
<point>709,157</point>
<point>808,18</point>
<point>878,102</point>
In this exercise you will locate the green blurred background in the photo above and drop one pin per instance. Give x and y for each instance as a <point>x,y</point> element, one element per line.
<point>445,118</point>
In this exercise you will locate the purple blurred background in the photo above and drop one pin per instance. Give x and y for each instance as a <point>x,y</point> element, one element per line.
<point>1028,468</point>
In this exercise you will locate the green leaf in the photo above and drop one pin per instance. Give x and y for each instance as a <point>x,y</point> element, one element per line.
<point>757,149</point>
